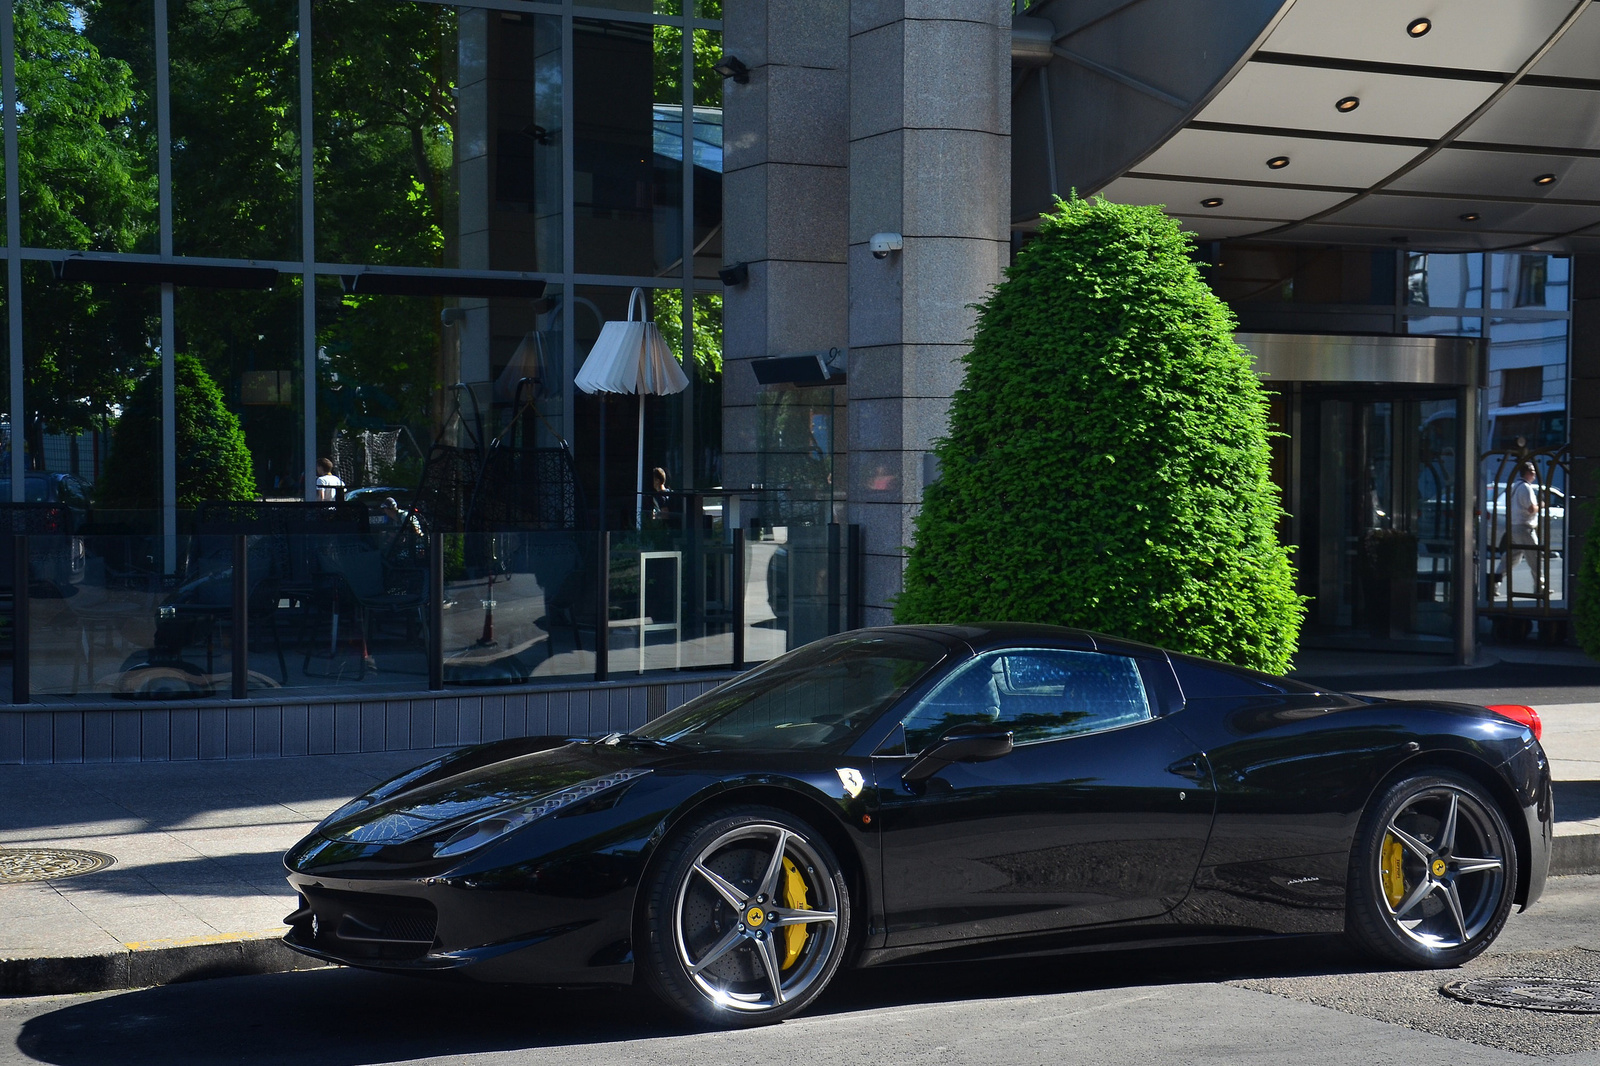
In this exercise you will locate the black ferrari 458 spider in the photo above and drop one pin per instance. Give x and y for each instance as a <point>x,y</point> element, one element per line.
<point>953,792</point>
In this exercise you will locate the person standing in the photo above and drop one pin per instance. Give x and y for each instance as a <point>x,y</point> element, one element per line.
<point>330,486</point>
<point>1522,531</point>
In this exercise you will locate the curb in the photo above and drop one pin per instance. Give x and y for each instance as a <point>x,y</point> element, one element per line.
<point>143,967</point>
<point>1576,854</point>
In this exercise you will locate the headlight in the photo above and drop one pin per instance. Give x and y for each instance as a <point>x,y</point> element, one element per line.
<point>383,791</point>
<point>485,830</point>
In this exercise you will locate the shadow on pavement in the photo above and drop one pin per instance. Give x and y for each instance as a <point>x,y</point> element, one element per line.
<point>342,1017</point>
<point>1504,682</point>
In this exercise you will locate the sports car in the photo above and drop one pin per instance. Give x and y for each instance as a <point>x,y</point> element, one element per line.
<point>937,793</point>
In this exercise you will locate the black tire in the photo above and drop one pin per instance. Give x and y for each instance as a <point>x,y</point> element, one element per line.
<point>754,972</point>
<point>1424,894</point>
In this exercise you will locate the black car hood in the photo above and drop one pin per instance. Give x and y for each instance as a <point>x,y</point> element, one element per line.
<point>441,802</point>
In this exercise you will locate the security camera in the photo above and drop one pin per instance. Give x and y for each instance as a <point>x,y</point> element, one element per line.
<point>884,243</point>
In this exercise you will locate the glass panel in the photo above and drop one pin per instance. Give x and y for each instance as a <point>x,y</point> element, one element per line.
<point>93,389</point>
<point>796,587</point>
<point>802,435</point>
<point>441,134</point>
<point>643,7</point>
<point>1247,273</point>
<point>708,9</point>
<point>520,606</point>
<point>235,129</point>
<point>1444,326</point>
<point>385,97</point>
<point>1444,279</point>
<point>1531,282</point>
<point>86,125</point>
<point>249,344</point>
<point>380,362</point>
<point>1534,353</point>
<point>627,189</point>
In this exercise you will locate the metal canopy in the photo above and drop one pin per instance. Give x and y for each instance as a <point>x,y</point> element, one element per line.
<point>1185,102</point>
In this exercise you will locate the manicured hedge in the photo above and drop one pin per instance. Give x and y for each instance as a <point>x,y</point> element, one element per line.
<point>1107,459</point>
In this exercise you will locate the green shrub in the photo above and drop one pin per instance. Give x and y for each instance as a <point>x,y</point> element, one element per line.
<point>213,461</point>
<point>1107,459</point>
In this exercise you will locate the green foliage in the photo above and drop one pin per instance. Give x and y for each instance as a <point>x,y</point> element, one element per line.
<point>213,462</point>
<point>1586,600</point>
<point>668,315</point>
<point>1107,460</point>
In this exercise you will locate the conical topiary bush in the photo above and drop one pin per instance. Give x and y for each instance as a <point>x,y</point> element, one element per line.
<point>213,461</point>
<point>1107,459</point>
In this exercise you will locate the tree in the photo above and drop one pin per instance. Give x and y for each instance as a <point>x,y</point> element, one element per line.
<point>213,462</point>
<point>1107,460</point>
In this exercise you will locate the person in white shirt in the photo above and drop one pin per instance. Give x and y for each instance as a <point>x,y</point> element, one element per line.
<point>329,485</point>
<point>1522,530</point>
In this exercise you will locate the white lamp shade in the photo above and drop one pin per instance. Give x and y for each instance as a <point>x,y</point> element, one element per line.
<point>631,357</point>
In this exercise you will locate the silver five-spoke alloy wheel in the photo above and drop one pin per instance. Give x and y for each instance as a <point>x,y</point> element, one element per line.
<point>748,920</point>
<point>1434,872</point>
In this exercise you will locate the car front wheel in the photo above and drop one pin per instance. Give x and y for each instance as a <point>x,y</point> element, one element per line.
<point>1433,872</point>
<point>746,918</point>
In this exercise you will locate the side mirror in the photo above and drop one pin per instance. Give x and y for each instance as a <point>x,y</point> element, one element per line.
<point>973,742</point>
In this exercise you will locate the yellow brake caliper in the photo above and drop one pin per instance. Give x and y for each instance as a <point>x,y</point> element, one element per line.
<point>1389,867</point>
<point>795,899</point>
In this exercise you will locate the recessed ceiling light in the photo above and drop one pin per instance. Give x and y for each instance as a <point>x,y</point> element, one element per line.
<point>1471,216</point>
<point>1401,239</point>
<point>1419,27</point>
<point>1278,162</point>
<point>1545,179</point>
<point>1211,201</point>
<point>1348,104</point>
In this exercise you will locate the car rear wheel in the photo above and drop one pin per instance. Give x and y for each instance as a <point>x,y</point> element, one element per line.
<point>1432,873</point>
<point>746,918</point>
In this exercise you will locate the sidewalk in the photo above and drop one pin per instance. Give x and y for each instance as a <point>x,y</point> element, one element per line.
<point>197,887</point>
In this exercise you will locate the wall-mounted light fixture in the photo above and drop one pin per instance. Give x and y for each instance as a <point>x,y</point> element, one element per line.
<point>1347,104</point>
<point>734,274</point>
<point>733,67</point>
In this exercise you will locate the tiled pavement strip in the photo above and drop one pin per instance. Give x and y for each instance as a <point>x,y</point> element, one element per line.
<point>197,888</point>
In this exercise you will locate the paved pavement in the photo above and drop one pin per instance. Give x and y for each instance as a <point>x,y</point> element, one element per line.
<point>1299,1002</point>
<point>197,887</point>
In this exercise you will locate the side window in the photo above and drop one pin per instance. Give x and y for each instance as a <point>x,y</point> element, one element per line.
<point>1042,694</point>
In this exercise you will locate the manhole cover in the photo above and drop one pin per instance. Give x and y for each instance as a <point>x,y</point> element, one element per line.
<point>1561,994</point>
<point>48,864</point>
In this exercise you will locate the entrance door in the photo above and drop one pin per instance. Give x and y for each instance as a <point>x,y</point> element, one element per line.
<point>1378,517</point>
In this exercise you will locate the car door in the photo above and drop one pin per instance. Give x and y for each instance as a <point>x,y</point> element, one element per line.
<point>1099,813</point>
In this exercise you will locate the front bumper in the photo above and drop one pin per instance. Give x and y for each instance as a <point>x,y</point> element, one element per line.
<point>444,925</point>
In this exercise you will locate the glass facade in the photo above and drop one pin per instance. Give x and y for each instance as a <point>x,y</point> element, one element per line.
<point>247,235</point>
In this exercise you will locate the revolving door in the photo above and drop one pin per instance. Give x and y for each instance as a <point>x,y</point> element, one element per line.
<point>1378,512</point>
<point>1375,461</point>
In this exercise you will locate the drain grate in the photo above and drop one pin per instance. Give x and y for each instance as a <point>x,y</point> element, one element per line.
<point>18,865</point>
<point>1558,994</point>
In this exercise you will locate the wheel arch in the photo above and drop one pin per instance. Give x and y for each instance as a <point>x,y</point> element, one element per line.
<point>1484,774</point>
<point>791,800</point>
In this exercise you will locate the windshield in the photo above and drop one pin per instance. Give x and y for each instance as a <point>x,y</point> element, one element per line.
<point>818,697</point>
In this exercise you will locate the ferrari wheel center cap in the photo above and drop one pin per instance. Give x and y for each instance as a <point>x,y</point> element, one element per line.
<point>754,917</point>
<point>1438,867</point>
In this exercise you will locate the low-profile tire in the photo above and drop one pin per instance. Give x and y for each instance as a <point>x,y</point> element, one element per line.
<point>719,907</point>
<point>1433,872</point>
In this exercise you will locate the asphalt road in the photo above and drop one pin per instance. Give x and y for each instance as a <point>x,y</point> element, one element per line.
<point>1291,1001</point>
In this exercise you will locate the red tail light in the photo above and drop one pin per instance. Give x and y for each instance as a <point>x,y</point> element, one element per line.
<point>1518,713</point>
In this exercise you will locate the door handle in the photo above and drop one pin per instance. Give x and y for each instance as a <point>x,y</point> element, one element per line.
<point>1193,769</point>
